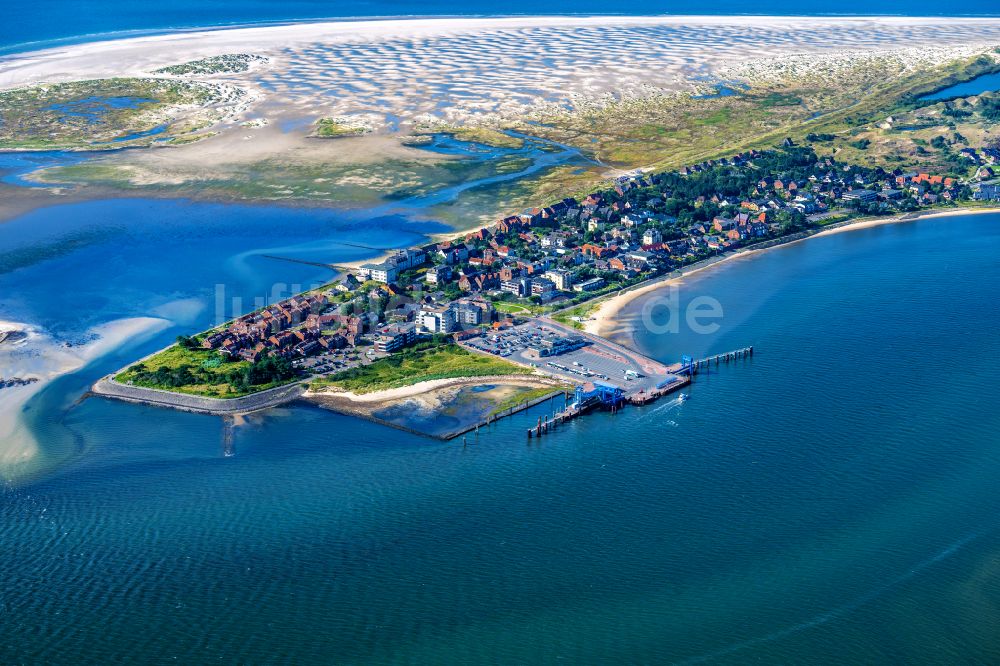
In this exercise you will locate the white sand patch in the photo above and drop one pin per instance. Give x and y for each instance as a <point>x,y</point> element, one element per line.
<point>40,357</point>
<point>424,387</point>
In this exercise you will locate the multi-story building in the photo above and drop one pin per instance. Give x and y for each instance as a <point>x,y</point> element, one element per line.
<point>543,288</point>
<point>517,287</point>
<point>592,284</point>
<point>989,191</point>
<point>562,279</point>
<point>385,272</point>
<point>469,312</point>
<point>439,319</point>
<point>395,337</point>
<point>438,274</point>
<point>860,195</point>
<point>409,258</point>
<point>652,237</point>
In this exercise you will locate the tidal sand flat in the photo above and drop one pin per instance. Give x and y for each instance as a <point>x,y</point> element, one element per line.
<point>449,68</point>
<point>37,359</point>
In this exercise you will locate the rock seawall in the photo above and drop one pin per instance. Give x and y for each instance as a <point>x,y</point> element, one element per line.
<point>109,388</point>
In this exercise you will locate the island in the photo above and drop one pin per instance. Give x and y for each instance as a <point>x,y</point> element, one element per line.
<point>567,189</point>
<point>512,300</point>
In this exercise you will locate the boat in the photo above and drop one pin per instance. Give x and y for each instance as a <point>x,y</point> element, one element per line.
<point>683,396</point>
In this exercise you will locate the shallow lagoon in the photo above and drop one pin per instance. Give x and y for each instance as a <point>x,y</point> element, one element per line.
<point>67,268</point>
<point>977,86</point>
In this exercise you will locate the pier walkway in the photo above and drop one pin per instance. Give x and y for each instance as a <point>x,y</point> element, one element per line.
<point>692,367</point>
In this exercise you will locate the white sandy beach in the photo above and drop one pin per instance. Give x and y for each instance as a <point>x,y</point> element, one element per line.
<point>432,385</point>
<point>380,73</point>
<point>39,356</point>
<point>604,321</point>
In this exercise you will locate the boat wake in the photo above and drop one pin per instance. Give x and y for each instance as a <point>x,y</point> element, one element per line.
<point>668,406</point>
<point>837,612</point>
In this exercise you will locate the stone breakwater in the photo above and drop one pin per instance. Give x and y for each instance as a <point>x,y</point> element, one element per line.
<point>109,388</point>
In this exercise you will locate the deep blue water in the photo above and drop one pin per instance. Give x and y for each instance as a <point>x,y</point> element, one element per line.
<point>977,86</point>
<point>27,26</point>
<point>832,500</point>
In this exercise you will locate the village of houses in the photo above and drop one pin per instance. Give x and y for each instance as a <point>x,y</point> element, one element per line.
<point>572,251</point>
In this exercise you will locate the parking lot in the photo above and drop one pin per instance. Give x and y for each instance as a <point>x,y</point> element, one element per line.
<point>591,362</point>
<point>335,361</point>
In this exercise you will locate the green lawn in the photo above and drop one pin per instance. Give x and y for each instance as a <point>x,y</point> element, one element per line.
<point>582,311</point>
<point>407,368</point>
<point>207,374</point>
<point>527,309</point>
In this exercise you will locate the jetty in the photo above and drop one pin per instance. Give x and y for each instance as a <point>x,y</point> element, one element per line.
<point>612,397</point>
<point>692,366</point>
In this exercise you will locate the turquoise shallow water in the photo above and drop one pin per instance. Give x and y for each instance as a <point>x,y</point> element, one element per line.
<point>833,500</point>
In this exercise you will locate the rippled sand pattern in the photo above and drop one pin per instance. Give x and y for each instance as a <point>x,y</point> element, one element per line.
<point>507,71</point>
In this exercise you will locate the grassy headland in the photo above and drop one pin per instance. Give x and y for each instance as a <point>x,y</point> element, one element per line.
<point>186,368</point>
<point>419,365</point>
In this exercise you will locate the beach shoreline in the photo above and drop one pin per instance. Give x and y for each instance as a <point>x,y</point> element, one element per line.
<point>604,321</point>
<point>141,53</point>
<point>402,392</point>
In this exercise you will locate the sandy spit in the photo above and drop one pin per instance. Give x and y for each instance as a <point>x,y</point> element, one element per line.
<point>41,357</point>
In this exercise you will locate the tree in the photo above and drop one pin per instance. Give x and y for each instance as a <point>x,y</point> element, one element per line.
<point>187,342</point>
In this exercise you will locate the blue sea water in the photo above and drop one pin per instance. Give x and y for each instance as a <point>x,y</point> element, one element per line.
<point>832,500</point>
<point>28,26</point>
